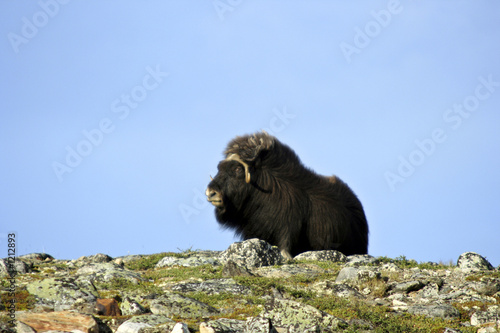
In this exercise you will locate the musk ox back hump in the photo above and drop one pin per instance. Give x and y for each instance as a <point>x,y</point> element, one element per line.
<point>262,190</point>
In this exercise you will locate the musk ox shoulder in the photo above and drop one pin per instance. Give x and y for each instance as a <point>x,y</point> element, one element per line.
<point>262,190</point>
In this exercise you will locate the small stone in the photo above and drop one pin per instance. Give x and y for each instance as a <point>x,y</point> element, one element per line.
<point>485,318</point>
<point>131,327</point>
<point>108,307</point>
<point>357,260</point>
<point>129,307</point>
<point>180,328</point>
<point>325,255</point>
<point>406,287</point>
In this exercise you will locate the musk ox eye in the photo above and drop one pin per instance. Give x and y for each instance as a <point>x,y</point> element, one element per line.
<point>239,169</point>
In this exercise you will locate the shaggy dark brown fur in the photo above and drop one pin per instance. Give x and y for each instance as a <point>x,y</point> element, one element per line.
<point>263,191</point>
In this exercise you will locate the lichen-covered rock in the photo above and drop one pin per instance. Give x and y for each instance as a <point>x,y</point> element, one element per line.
<point>406,287</point>
<point>65,321</point>
<point>286,271</point>
<point>36,257</point>
<point>130,307</point>
<point>95,259</point>
<point>172,304</point>
<point>252,253</point>
<point>63,293</point>
<point>357,260</point>
<point>325,255</point>
<point>473,262</point>
<point>329,288</point>
<point>194,260</point>
<point>147,324</point>
<point>357,274</point>
<point>438,310</point>
<point>286,313</point>
<point>15,267</point>
<point>232,269</point>
<point>259,325</point>
<point>106,272</point>
<point>223,325</point>
<point>211,287</point>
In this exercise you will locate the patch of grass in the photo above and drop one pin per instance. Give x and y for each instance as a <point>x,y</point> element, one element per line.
<point>404,263</point>
<point>231,306</point>
<point>382,318</point>
<point>261,286</point>
<point>124,285</point>
<point>177,274</point>
<point>147,262</point>
<point>487,275</point>
<point>21,298</point>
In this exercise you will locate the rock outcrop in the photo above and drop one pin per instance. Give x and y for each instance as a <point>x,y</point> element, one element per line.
<point>250,288</point>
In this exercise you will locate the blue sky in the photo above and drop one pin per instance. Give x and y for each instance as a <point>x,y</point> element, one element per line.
<point>114,115</point>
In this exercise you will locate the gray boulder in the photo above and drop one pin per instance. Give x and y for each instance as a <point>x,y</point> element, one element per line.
<point>445,311</point>
<point>252,253</point>
<point>300,318</point>
<point>473,262</point>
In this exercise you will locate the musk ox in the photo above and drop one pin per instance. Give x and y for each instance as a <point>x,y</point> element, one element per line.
<point>262,190</point>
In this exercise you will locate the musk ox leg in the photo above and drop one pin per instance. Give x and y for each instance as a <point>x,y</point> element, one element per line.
<point>286,254</point>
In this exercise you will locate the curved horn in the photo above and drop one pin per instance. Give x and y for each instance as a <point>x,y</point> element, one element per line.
<point>235,157</point>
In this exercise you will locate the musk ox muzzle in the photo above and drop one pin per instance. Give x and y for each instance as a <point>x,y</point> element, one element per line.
<point>214,197</point>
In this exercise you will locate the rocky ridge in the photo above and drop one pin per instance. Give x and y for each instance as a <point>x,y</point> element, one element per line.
<point>250,288</point>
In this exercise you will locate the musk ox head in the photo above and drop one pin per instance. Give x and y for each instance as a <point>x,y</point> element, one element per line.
<point>237,174</point>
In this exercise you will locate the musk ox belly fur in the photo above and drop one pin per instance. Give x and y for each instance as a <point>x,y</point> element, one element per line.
<point>262,190</point>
